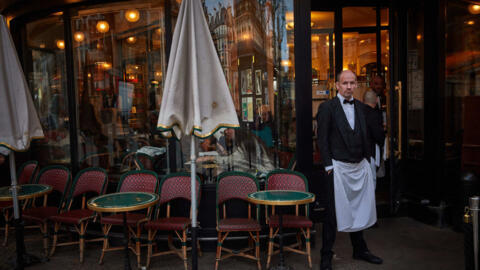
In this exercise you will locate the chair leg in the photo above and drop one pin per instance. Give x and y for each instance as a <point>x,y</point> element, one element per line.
<point>44,230</point>
<point>55,237</point>
<point>270,247</point>
<point>151,236</point>
<point>7,218</point>
<point>199,249</point>
<point>307,244</point>
<point>299,241</point>
<point>106,229</point>
<point>81,240</point>
<point>219,250</point>
<point>257,251</point>
<point>137,245</point>
<point>184,248</point>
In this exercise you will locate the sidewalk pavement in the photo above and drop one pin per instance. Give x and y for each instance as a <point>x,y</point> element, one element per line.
<point>403,243</point>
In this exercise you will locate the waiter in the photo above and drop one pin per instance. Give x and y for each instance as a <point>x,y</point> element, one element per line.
<point>345,149</point>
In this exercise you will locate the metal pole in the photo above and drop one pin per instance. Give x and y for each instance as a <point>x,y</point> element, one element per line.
<point>194,204</point>
<point>474,203</point>
<point>16,213</point>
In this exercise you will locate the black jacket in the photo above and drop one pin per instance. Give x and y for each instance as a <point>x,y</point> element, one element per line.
<point>333,126</point>
<point>374,120</point>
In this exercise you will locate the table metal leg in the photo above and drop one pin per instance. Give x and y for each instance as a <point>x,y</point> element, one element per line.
<point>281,265</point>
<point>125,239</point>
<point>22,258</point>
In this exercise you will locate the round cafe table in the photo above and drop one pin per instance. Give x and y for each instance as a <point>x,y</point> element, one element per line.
<point>26,191</point>
<point>281,198</point>
<point>123,202</point>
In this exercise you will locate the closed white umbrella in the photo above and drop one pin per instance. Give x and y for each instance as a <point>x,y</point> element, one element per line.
<point>19,122</point>
<point>196,100</point>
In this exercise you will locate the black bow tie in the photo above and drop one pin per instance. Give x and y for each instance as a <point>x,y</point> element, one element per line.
<point>348,101</point>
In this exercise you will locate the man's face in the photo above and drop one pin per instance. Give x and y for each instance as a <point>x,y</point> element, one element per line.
<point>347,84</point>
<point>377,85</point>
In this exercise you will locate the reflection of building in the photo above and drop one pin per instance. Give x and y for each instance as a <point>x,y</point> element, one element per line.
<point>224,37</point>
<point>251,58</point>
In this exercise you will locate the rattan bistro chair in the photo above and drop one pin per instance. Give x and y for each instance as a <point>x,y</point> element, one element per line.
<point>173,186</point>
<point>26,174</point>
<point>289,180</point>
<point>236,186</point>
<point>58,177</point>
<point>89,180</point>
<point>132,181</point>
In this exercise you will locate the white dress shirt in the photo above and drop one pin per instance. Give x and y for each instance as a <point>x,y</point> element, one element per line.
<point>349,111</point>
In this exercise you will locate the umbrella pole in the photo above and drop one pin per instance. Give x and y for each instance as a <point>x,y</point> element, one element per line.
<point>194,204</point>
<point>16,213</point>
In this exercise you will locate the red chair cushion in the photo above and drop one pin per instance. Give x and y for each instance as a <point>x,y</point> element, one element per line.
<point>5,204</point>
<point>168,224</point>
<point>291,221</point>
<point>39,214</point>
<point>117,219</point>
<point>73,216</point>
<point>238,224</point>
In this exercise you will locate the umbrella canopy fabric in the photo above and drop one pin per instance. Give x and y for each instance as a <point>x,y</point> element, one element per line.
<point>196,98</point>
<point>19,122</point>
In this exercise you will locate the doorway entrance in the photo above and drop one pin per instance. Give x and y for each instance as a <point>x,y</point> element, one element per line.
<point>364,47</point>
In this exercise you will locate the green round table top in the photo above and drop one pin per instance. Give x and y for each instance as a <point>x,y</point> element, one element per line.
<point>281,197</point>
<point>122,201</point>
<point>26,191</point>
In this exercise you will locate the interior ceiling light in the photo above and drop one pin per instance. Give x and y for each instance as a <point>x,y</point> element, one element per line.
<point>474,8</point>
<point>132,15</point>
<point>102,26</point>
<point>61,44</point>
<point>79,36</point>
<point>131,40</point>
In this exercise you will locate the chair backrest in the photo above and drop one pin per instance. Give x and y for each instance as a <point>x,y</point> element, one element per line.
<point>27,172</point>
<point>286,180</point>
<point>89,180</point>
<point>234,185</point>
<point>144,161</point>
<point>138,181</point>
<point>177,186</point>
<point>56,176</point>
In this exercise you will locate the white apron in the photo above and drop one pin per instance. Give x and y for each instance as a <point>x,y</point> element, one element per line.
<point>354,195</point>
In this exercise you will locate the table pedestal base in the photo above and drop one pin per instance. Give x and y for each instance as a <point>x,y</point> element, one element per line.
<point>281,267</point>
<point>23,259</point>
<point>125,241</point>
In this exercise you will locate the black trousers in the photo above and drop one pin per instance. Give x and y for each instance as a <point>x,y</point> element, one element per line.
<point>330,224</point>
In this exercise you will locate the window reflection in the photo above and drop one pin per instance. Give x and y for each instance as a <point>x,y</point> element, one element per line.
<point>254,42</point>
<point>462,76</point>
<point>119,65</point>
<point>45,69</point>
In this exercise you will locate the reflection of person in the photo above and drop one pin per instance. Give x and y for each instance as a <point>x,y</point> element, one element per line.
<point>378,85</point>
<point>376,135</point>
<point>89,124</point>
<point>264,127</point>
<point>2,159</point>
<point>244,152</point>
<point>343,143</point>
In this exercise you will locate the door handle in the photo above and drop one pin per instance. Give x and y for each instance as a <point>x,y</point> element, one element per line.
<point>398,90</point>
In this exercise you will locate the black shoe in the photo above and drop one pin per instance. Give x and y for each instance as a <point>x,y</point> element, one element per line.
<point>368,257</point>
<point>326,263</point>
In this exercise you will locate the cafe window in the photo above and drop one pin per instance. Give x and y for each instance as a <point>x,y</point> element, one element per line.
<point>119,68</point>
<point>254,43</point>
<point>45,72</point>
<point>462,78</point>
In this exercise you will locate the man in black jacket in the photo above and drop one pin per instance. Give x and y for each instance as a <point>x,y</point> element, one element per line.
<point>346,150</point>
<point>376,132</point>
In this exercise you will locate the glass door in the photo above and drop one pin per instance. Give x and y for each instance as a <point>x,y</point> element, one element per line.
<point>364,48</point>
